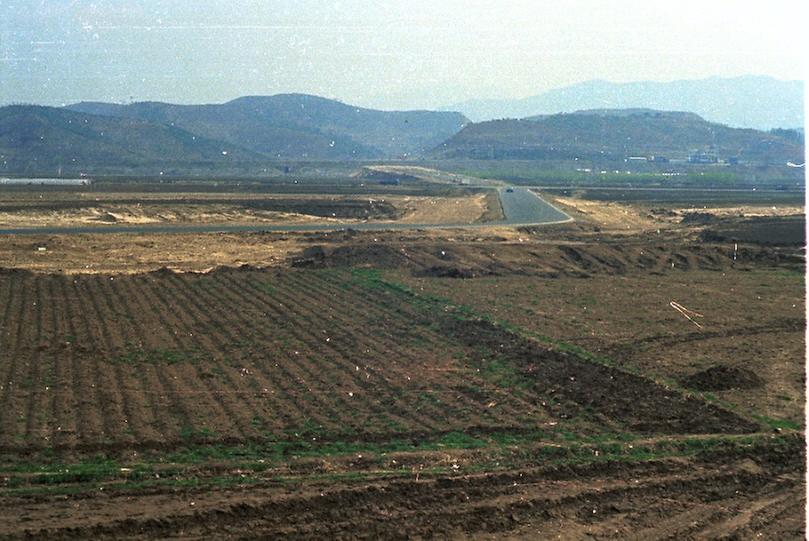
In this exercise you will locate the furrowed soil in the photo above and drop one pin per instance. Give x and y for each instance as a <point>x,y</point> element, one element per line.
<point>158,361</point>
<point>520,384</point>
<point>704,497</point>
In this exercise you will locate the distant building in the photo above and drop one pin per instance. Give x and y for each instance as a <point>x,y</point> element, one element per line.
<point>702,157</point>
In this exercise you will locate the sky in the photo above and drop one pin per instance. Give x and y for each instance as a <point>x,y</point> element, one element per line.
<point>388,55</point>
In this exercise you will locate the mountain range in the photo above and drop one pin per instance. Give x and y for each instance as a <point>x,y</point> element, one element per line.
<point>616,135</point>
<point>36,139</point>
<point>298,126</point>
<point>253,132</point>
<point>755,102</point>
<point>149,137</point>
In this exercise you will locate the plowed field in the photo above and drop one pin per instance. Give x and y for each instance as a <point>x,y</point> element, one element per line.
<point>161,360</point>
<point>339,403</point>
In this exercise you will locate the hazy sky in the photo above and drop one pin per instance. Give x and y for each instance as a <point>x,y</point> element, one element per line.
<point>404,54</point>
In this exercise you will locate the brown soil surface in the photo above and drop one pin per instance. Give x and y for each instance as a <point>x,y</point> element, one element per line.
<point>752,320</point>
<point>449,210</point>
<point>476,384</point>
<point>71,209</point>
<point>772,231</point>
<point>158,361</point>
<point>708,497</point>
<point>608,215</point>
<point>134,252</point>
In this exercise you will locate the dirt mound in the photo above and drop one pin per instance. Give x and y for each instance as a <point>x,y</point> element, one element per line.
<point>442,271</point>
<point>662,212</point>
<point>376,255</point>
<point>722,378</point>
<point>6,271</point>
<point>106,218</point>
<point>225,270</point>
<point>457,260</point>
<point>162,272</point>
<point>699,218</point>
<point>767,231</point>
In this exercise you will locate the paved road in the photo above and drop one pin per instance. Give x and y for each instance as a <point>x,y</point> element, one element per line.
<point>524,207</point>
<point>664,189</point>
<point>521,207</point>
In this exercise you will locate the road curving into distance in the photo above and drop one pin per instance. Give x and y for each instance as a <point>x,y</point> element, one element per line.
<point>521,207</point>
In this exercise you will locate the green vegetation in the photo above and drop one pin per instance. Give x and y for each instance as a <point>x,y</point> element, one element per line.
<point>257,465</point>
<point>269,288</point>
<point>778,424</point>
<point>188,433</point>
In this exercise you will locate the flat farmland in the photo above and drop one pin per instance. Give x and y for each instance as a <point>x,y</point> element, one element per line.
<point>523,383</point>
<point>119,364</point>
<point>159,360</point>
<point>267,393</point>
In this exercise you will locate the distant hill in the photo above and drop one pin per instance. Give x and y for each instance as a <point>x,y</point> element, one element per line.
<point>616,135</point>
<point>748,102</point>
<point>36,138</point>
<point>298,126</point>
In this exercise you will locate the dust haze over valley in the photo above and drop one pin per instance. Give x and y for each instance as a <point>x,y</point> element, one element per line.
<point>352,270</point>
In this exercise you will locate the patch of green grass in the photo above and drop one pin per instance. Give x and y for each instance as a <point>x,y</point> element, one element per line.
<point>188,433</point>
<point>267,287</point>
<point>459,440</point>
<point>503,373</point>
<point>781,424</point>
<point>588,300</point>
<point>169,470</point>
<point>429,398</point>
<point>780,273</point>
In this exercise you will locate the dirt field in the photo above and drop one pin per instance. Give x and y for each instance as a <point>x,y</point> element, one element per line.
<point>287,359</point>
<point>498,383</point>
<point>25,209</point>
<point>753,321</point>
<point>608,215</point>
